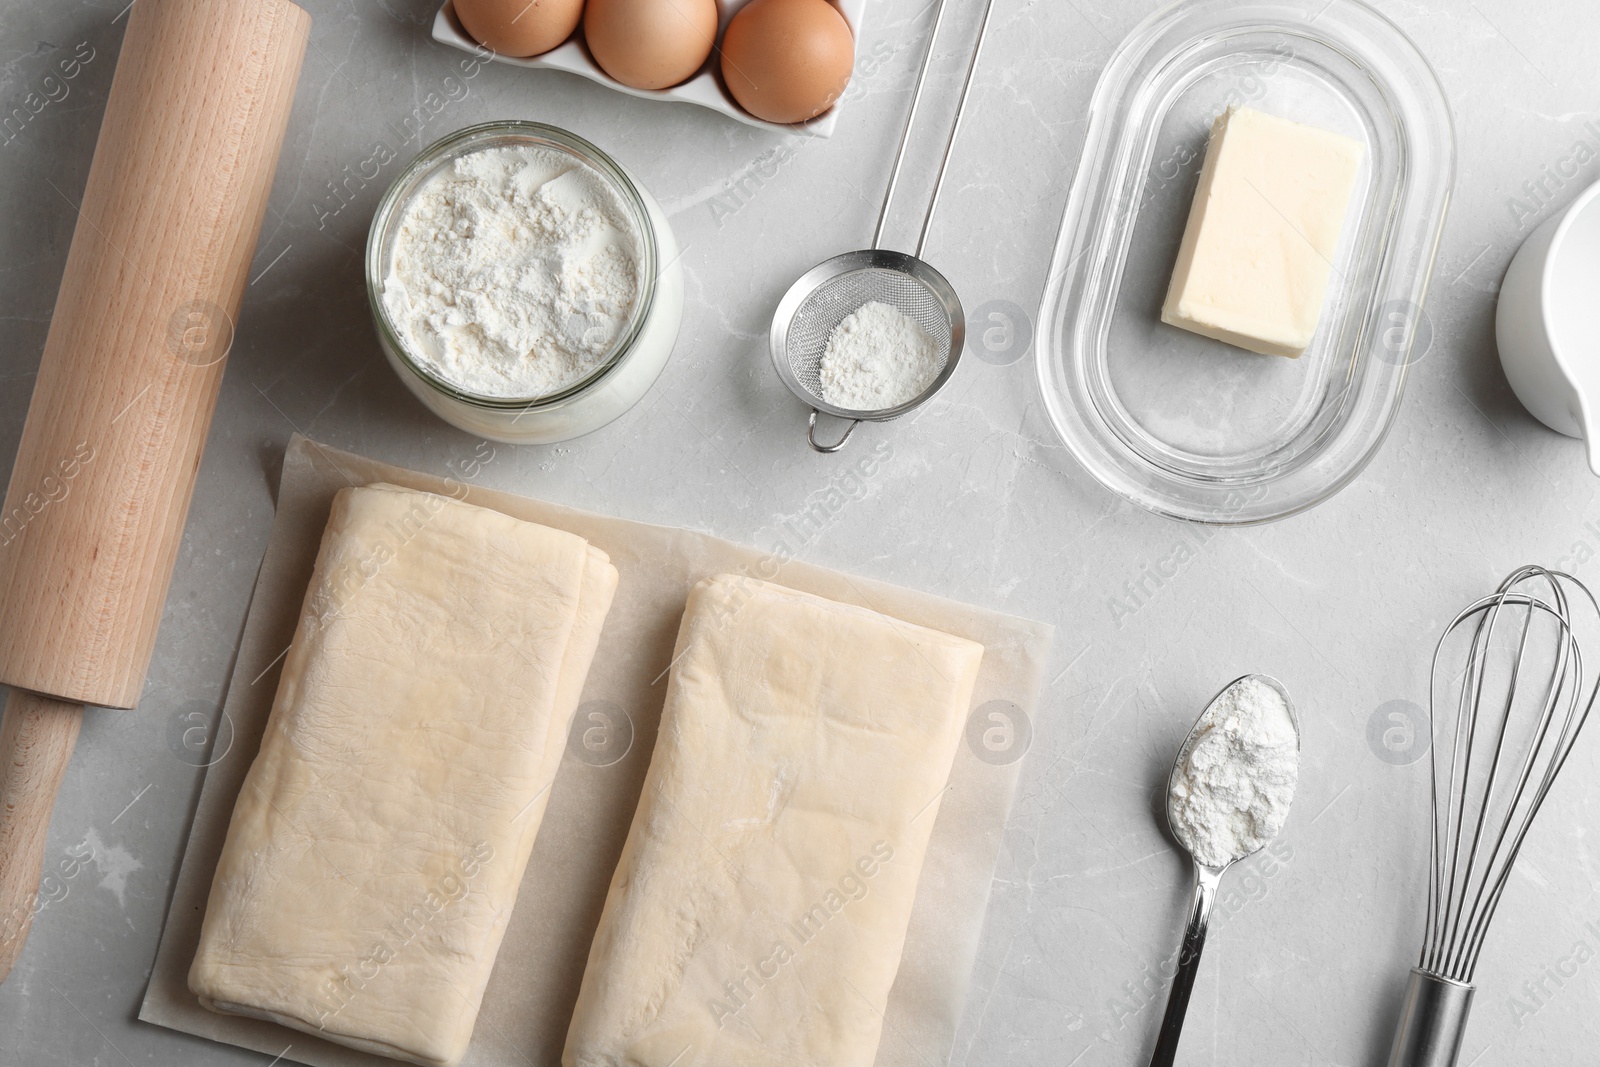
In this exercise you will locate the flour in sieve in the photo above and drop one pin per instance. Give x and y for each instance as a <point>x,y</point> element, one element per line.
<point>1232,790</point>
<point>878,357</point>
<point>514,270</point>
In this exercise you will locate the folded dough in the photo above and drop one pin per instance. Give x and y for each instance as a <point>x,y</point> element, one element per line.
<point>378,841</point>
<point>760,905</point>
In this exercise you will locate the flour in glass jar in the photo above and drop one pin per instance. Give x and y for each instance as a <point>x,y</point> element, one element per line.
<point>514,271</point>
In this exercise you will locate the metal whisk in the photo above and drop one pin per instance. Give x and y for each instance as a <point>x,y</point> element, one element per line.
<point>1506,726</point>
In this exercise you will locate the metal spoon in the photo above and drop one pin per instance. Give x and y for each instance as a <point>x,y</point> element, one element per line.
<point>1206,881</point>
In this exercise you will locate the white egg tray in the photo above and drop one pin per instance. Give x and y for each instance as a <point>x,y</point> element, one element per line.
<point>705,88</point>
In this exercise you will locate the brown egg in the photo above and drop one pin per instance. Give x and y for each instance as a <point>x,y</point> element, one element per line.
<point>519,28</point>
<point>650,44</point>
<point>787,60</point>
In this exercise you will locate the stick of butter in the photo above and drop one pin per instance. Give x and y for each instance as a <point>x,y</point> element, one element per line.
<point>1262,232</point>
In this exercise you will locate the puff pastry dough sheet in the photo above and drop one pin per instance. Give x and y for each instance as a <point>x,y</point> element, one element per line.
<point>759,909</point>
<point>376,847</point>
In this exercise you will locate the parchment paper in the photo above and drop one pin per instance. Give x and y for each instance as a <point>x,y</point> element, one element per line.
<point>535,982</point>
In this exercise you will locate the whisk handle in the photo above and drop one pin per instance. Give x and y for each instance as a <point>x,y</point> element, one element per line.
<point>1206,881</point>
<point>1432,1022</point>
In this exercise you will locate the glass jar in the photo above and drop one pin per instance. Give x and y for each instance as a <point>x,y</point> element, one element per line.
<point>627,370</point>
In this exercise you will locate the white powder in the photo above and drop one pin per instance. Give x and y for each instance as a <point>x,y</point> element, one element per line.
<point>878,358</point>
<point>514,269</point>
<point>1233,787</point>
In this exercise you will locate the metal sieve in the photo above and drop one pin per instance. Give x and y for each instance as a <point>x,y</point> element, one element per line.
<point>832,290</point>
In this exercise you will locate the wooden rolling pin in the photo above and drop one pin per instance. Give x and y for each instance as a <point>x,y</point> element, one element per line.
<point>132,364</point>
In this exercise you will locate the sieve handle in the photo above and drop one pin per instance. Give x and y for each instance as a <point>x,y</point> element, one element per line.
<point>811,434</point>
<point>911,120</point>
<point>905,135</point>
<point>955,129</point>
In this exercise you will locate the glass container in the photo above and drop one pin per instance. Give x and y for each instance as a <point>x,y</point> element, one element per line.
<point>627,370</point>
<point>1194,428</point>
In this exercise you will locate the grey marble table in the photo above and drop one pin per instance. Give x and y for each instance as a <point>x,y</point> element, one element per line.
<point>977,501</point>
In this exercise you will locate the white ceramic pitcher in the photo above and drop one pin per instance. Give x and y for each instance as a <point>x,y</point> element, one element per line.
<point>1547,325</point>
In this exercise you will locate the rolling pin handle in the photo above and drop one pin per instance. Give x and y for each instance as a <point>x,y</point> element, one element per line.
<point>36,739</point>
